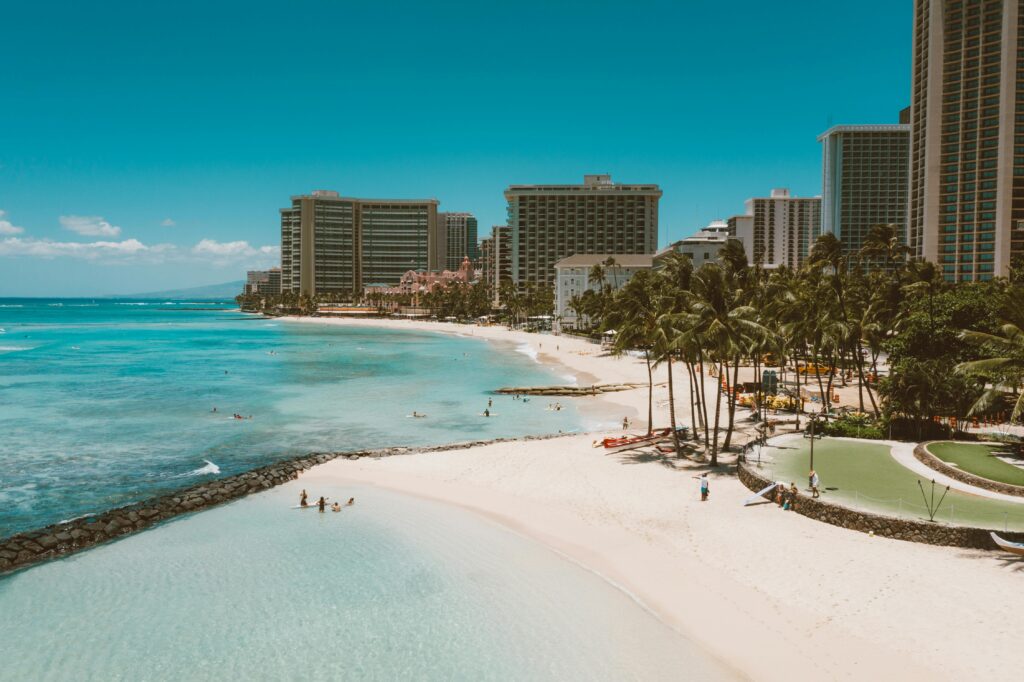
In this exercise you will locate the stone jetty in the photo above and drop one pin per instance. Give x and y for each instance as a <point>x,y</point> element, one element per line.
<point>25,549</point>
<point>568,391</point>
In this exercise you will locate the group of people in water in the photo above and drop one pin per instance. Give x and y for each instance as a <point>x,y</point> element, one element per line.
<point>321,504</point>
<point>234,416</point>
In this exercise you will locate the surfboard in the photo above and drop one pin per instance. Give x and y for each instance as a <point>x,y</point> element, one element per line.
<point>759,495</point>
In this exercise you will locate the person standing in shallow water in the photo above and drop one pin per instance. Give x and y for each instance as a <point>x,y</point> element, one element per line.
<point>321,503</point>
<point>303,499</point>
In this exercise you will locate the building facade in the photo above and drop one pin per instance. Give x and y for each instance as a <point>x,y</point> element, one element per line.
<point>496,259</point>
<point>335,244</point>
<point>783,228</point>
<point>966,206</point>
<point>552,222</point>
<point>703,247</point>
<point>460,231</point>
<point>865,181</point>
<point>263,282</point>
<point>572,278</point>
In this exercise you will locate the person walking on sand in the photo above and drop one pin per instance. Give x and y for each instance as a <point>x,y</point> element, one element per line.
<point>625,423</point>
<point>704,486</point>
<point>815,482</point>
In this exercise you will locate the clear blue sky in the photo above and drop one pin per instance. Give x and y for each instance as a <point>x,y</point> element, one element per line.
<point>149,145</point>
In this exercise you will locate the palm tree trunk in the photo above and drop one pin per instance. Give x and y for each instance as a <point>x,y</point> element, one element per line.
<point>702,397</point>
<point>799,402</point>
<point>672,406</point>
<point>650,393</point>
<point>694,413</point>
<point>732,402</point>
<point>718,413</point>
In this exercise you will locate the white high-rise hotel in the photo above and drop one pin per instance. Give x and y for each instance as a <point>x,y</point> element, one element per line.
<point>966,208</point>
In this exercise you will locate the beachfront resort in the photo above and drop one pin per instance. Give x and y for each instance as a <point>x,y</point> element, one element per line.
<point>555,359</point>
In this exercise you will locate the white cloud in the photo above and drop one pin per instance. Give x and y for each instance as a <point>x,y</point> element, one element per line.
<point>128,249</point>
<point>229,252</point>
<point>167,222</point>
<point>6,227</point>
<point>90,226</point>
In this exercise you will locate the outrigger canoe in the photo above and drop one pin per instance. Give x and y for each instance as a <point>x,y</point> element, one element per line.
<point>630,442</point>
<point>1014,547</point>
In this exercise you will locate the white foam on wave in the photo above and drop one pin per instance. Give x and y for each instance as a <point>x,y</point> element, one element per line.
<point>209,469</point>
<point>131,304</point>
<point>14,349</point>
<point>12,305</point>
<point>528,350</point>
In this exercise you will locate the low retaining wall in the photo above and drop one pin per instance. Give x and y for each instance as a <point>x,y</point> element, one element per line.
<point>60,539</point>
<point>569,391</point>
<point>885,526</point>
<point>932,462</point>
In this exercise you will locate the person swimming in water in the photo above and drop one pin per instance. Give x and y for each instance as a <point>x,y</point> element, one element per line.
<point>321,503</point>
<point>350,502</point>
<point>335,507</point>
<point>303,499</point>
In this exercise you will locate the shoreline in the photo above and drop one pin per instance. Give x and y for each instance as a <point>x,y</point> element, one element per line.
<point>777,596</point>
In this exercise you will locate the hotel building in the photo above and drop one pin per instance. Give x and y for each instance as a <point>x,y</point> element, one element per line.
<point>572,277</point>
<point>460,236</point>
<point>782,228</point>
<point>335,244</point>
<point>496,259</point>
<point>552,222</point>
<point>865,180</point>
<point>263,281</point>
<point>966,208</point>
<point>703,247</point>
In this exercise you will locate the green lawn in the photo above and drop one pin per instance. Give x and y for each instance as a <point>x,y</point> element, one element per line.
<point>979,459</point>
<point>865,476</point>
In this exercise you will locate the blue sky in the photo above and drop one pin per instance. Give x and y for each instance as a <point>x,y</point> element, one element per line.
<point>147,146</point>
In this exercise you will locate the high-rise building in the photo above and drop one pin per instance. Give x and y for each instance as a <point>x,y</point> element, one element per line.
<point>551,222</point>
<point>966,208</point>
<point>460,239</point>
<point>865,180</point>
<point>783,228</point>
<point>263,281</point>
<point>496,259</point>
<point>742,227</point>
<point>572,278</point>
<point>335,244</point>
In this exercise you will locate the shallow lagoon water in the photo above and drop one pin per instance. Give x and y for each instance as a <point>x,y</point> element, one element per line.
<point>392,588</point>
<point>103,403</point>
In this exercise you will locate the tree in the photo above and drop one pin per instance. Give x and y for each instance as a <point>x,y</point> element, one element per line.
<point>634,319</point>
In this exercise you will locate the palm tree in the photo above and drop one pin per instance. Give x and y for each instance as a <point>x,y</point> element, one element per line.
<point>1003,368</point>
<point>635,320</point>
<point>723,326</point>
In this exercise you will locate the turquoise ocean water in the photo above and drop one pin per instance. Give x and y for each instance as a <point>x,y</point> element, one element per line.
<point>103,403</point>
<point>393,588</point>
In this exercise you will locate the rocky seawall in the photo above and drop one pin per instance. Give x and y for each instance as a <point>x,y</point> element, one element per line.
<point>885,526</point>
<point>28,548</point>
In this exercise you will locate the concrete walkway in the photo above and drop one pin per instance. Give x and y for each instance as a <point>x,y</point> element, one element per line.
<point>904,454</point>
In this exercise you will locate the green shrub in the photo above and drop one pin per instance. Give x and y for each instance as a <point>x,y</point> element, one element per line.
<point>853,425</point>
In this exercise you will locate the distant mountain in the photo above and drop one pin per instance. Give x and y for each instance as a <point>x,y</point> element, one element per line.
<point>211,291</point>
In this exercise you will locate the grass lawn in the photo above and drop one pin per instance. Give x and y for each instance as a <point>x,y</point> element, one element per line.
<point>979,459</point>
<point>865,476</point>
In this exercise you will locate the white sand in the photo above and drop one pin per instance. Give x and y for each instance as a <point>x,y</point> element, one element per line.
<point>776,595</point>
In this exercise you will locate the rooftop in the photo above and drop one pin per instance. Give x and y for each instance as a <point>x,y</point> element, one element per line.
<point>591,183</point>
<point>867,128</point>
<point>626,260</point>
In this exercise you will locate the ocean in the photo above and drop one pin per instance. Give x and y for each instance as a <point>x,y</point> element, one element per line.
<point>106,402</point>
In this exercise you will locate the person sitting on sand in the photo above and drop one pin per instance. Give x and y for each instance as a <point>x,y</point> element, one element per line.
<point>793,492</point>
<point>350,502</point>
<point>321,503</point>
<point>335,507</point>
<point>303,499</point>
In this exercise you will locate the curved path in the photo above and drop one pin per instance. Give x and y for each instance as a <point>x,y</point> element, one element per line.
<point>904,454</point>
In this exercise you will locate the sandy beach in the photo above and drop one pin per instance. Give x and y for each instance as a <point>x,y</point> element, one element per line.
<point>775,595</point>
